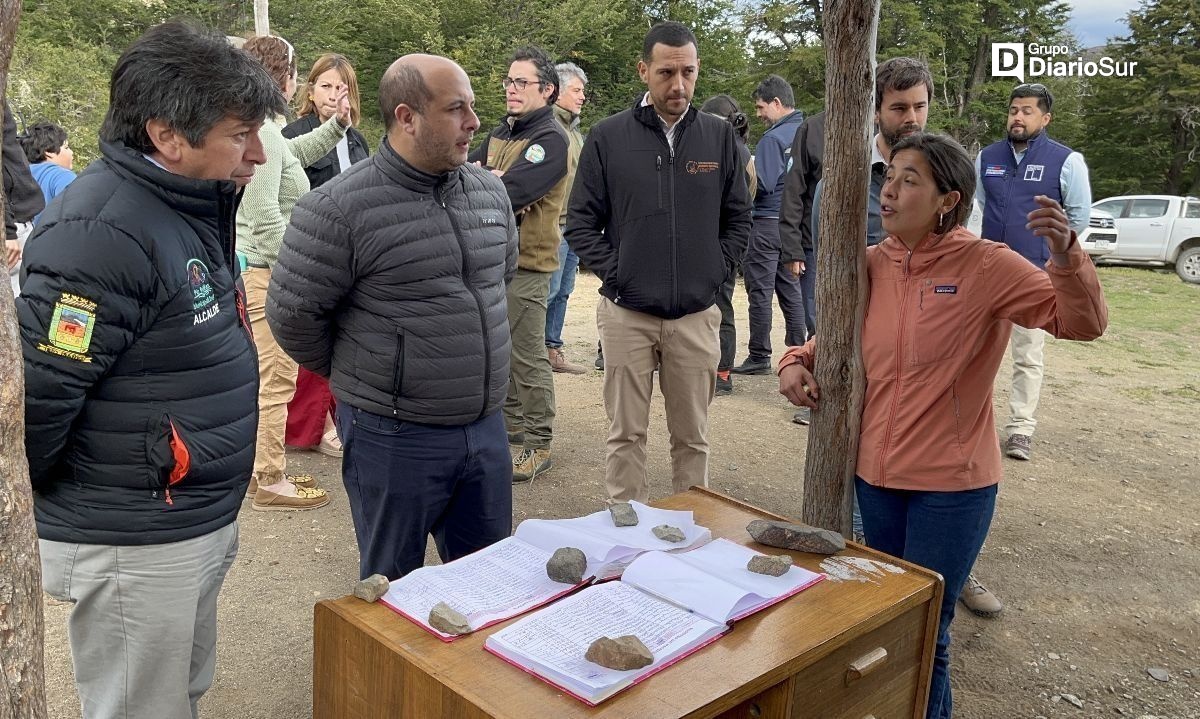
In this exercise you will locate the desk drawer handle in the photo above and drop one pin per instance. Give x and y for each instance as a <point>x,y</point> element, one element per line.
<point>866,664</point>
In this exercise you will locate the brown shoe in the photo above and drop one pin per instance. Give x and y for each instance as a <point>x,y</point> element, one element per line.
<point>306,498</point>
<point>560,363</point>
<point>252,487</point>
<point>531,463</point>
<point>979,600</point>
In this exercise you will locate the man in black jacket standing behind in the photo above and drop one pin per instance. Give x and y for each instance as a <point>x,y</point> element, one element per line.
<point>391,282</point>
<point>141,394</point>
<point>661,212</point>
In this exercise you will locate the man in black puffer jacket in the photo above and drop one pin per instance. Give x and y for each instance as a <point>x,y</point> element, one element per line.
<point>391,282</point>
<point>141,381</point>
<point>661,212</point>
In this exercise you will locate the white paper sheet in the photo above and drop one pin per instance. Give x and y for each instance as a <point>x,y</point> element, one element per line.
<point>502,580</point>
<point>555,639</point>
<point>713,579</point>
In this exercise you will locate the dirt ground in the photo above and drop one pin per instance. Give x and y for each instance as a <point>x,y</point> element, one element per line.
<point>1093,547</point>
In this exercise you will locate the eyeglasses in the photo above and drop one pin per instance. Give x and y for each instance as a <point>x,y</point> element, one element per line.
<point>520,82</point>
<point>1041,90</point>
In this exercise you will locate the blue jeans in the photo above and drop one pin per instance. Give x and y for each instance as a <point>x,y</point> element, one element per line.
<point>942,531</point>
<point>405,481</point>
<point>562,283</point>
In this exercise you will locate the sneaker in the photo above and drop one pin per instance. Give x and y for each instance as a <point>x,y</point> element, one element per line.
<point>754,365</point>
<point>1018,446</point>
<point>517,438</point>
<point>600,360</point>
<point>803,416</point>
<point>978,599</point>
<point>306,498</point>
<point>724,386</point>
<point>331,445</point>
<point>530,463</point>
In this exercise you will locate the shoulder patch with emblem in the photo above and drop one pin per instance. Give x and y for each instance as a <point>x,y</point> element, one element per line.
<point>71,327</point>
<point>535,154</point>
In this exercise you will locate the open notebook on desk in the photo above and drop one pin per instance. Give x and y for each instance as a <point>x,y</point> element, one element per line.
<point>509,577</point>
<point>674,603</point>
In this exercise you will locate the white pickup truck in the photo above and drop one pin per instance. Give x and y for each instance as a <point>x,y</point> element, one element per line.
<point>1156,230</point>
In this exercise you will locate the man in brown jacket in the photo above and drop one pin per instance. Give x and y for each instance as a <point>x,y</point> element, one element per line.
<point>528,151</point>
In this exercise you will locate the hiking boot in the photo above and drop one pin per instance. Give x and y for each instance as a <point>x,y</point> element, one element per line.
<point>306,498</point>
<point>724,386</point>
<point>754,365</point>
<point>803,416</point>
<point>978,599</point>
<point>517,438</point>
<point>530,463</point>
<point>560,363</point>
<point>1018,446</point>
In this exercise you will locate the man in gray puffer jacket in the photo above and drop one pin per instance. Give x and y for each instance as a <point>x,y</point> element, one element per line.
<point>391,282</point>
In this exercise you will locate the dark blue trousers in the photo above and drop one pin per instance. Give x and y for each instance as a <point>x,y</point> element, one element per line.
<point>942,531</point>
<point>405,481</point>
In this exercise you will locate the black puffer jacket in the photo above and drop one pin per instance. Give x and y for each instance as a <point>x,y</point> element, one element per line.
<point>327,168</point>
<point>391,282</point>
<point>662,227</point>
<point>141,381</point>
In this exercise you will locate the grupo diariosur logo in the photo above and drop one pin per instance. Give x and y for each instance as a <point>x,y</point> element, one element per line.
<point>1014,59</point>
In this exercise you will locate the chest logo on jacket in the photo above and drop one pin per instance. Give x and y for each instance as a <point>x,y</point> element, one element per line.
<point>204,298</point>
<point>71,328</point>
<point>994,171</point>
<point>694,168</point>
<point>1033,173</point>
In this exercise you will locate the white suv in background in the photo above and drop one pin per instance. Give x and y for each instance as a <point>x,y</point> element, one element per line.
<point>1156,230</point>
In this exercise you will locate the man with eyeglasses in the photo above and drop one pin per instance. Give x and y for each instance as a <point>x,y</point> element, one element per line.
<point>528,151</point>
<point>1011,173</point>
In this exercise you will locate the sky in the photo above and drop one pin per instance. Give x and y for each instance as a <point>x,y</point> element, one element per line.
<point>1094,21</point>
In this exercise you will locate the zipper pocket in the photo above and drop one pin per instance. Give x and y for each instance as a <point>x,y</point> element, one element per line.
<point>658,174</point>
<point>398,372</point>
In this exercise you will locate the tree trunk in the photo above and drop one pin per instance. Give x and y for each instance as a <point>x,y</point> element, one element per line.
<point>262,20</point>
<point>21,665</point>
<point>850,32</point>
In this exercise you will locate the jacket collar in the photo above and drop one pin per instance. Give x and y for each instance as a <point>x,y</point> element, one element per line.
<point>929,249</point>
<point>648,116</point>
<point>792,118</point>
<point>569,120</point>
<point>197,198</point>
<point>400,171</point>
<point>524,122</point>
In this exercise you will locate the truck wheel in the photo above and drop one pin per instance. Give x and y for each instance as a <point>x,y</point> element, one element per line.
<point>1187,265</point>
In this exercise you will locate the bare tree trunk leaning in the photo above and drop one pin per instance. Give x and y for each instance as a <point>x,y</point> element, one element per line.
<point>850,31</point>
<point>262,21</point>
<point>21,662</point>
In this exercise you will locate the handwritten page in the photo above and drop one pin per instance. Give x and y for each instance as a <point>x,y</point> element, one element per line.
<point>555,639</point>
<point>713,580</point>
<point>500,581</point>
<point>606,544</point>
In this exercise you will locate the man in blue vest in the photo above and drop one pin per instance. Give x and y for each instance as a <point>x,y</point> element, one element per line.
<point>1011,173</point>
<point>768,273</point>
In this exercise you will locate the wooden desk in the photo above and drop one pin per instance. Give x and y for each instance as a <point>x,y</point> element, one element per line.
<point>793,660</point>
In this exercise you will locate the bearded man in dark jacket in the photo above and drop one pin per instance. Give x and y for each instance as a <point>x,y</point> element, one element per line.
<point>661,212</point>
<point>141,379</point>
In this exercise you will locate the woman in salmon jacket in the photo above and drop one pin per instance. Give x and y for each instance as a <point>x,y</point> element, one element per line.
<point>942,305</point>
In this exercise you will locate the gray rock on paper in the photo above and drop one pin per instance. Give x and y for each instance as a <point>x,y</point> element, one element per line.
<point>623,653</point>
<point>772,566</point>
<point>447,620</point>
<point>797,537</point>
<point>567,565</point>
<point>372,588</point>
<point>667,533</point>
<point>623,514</point>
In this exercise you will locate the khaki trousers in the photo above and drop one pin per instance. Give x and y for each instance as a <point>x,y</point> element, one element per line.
<point>276,382</point>
<point>1028,351</point>
<point>529,407</point>
<point>686,352</point>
